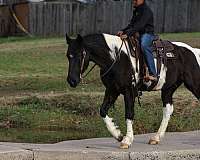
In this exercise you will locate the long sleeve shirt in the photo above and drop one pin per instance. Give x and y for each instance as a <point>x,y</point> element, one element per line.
<point>142,21</point>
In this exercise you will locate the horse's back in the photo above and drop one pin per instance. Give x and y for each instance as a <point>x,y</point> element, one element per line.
<point>195,51</point>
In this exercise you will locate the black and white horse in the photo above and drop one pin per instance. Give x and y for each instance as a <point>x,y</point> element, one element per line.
<point>103,49</point>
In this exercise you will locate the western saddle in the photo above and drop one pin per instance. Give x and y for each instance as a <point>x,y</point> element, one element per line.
<point>162,51</point>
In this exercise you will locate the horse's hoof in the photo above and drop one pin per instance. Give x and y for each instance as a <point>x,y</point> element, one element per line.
<point>124,146</point>
<point>120,138</point>
<point>153,142</point>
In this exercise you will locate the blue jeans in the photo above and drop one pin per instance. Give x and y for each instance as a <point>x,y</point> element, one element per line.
<point>146,44</point>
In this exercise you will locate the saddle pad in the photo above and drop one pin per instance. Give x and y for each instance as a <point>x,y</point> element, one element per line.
<point>164,49</point>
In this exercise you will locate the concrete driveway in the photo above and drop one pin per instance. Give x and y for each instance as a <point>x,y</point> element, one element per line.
<point>175,146</point>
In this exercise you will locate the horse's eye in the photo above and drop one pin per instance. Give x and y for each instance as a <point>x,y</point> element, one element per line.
<point>71,56</point>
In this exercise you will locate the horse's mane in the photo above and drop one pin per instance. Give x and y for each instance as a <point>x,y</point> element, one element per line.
<point>96,41</point>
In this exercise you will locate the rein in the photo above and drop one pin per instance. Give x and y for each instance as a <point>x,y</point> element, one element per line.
<point>89,71</point>
<point>134,78</point>
<point>105,73</point>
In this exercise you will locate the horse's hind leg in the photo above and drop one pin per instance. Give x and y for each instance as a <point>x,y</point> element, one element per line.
<point>109,100</point>
<point>192,83</point>
<point>167,112</point>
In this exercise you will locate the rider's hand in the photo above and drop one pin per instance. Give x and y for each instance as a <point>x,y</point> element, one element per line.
<point>123,36</point>
<point>119,33</point>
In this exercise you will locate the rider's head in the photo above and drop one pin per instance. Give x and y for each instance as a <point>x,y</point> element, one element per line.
<point>137,3</point>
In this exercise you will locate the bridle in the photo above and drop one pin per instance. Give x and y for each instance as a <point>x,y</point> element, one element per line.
<point>82,63</point>
<point>84,53</point>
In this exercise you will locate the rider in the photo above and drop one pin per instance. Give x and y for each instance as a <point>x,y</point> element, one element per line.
<point>143,22</point>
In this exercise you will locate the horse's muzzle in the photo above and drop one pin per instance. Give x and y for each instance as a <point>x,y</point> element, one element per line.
<point>72,83</point>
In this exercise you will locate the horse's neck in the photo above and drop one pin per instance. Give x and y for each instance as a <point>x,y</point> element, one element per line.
<point>104,49</point>
<point>101,59</point>
<point>99,54</point>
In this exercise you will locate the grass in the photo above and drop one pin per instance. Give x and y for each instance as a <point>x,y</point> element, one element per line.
<point>37,65</point>
<point>52,119</point>
<point>51,111</point>
<point>192,39</point>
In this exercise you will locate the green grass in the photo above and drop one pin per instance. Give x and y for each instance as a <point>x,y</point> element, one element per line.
<point>39,65</point>
<point>181,36</point>
<point>76,116</point>
<point>192,39</point>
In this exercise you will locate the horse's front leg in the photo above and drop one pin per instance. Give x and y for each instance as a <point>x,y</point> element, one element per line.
<point>129,99</point>
<point>109,100</point>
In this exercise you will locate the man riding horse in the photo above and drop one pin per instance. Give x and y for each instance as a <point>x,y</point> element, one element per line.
<point>179,64</point>
<point>142,22</point>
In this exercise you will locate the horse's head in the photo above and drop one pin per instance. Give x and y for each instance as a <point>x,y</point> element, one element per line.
<point>78,59</point>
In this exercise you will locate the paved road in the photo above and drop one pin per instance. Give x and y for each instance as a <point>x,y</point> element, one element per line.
<point>175,146</point>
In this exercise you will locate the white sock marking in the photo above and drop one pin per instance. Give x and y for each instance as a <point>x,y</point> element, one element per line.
<point>116,133</point>
<point>167,112</point>
<point>128,139</point>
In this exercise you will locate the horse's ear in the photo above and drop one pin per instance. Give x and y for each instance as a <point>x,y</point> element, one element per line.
<point>79,38</point>
<point>68,39</point>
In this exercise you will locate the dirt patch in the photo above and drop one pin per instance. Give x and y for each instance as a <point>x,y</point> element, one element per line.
<point>16,97</point>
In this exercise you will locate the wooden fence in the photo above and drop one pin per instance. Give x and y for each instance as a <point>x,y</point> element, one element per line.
<point>176,15</point>
<point>59,18</point>
<point>108,16</point>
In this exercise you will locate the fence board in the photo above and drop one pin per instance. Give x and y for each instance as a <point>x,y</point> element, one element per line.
<point>110,16</point>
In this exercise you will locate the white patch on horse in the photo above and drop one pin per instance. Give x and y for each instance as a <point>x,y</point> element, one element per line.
<point>196,51</point>
<point>116,133</point>
<point>114,42</point>
<point>128,139</point>
<point>162,78</point>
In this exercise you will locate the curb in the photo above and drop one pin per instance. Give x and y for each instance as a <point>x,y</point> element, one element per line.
<point>16,155</point>
<point>175,146</point>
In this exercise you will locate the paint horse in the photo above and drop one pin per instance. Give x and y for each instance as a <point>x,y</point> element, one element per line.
<point>103,50</point>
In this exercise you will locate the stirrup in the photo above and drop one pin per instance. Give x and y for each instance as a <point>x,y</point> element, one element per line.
<point>150,78</point>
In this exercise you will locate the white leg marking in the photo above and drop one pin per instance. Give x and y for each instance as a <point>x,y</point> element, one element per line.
<point>128,139</point>
<point>167,112</point>
<point>116,133</point>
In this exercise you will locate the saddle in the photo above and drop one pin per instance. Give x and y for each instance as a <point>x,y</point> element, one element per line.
<point>163,48</point>
<point>162,51</point>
